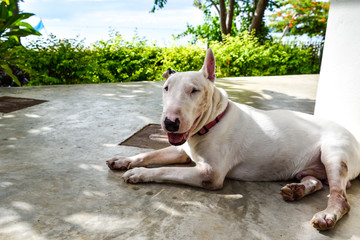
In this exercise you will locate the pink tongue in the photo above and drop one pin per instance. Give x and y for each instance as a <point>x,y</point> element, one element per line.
<point>176,138</point>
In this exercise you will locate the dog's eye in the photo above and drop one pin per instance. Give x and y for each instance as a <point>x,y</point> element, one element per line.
<point>166,88</point>
<point>194,90</point>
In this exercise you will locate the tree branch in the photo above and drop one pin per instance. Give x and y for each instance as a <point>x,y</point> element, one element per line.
<point>287,27</point>
<point>216,7</point>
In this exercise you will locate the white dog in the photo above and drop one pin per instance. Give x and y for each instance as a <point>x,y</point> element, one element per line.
<point>227,139</point>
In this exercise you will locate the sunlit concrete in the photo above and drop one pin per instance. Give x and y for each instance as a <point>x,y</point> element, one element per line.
<point>54,183</point>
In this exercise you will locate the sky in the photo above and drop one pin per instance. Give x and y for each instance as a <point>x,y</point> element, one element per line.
<point>92,19</point>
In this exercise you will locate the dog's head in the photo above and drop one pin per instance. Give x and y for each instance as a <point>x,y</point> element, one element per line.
<point>186,97</point>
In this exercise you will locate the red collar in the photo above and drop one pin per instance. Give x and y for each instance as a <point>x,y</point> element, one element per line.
<point>207,127</point>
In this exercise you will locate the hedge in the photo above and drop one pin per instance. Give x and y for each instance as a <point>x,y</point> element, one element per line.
<point>54,61</point>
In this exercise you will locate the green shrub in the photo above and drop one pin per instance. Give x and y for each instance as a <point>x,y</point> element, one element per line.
<point>238,56</point>
<point>124,61</point>
<point>55,61</point>
<point>183,58</point>
<point>243,55</point>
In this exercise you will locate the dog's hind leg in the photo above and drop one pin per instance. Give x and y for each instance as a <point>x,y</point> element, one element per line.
<point>337,173</point>
<point>169,155</point>
<point>296,191</point>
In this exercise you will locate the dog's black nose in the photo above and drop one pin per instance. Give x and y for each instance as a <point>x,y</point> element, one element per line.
<point>172,126</point>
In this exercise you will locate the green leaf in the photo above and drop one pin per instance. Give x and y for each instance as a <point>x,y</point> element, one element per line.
<point>9,72</point>
<point>3,11</point>
<point>24,24</point>
<point>22,33</point>
<point>14,20</point>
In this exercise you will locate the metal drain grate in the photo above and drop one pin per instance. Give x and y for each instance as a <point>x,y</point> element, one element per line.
<point>11,104</point>
<point>151,136</point>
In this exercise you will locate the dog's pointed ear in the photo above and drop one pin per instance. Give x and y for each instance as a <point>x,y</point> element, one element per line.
<point>168,72</point>
<point>208,69</point>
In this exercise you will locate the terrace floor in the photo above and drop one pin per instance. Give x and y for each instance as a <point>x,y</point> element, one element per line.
<point>54,183</point>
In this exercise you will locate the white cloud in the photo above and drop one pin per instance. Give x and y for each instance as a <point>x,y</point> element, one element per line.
<point>93,23</point>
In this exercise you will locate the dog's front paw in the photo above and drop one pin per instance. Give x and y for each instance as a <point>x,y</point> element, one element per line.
<point>293,191</point>
<point>122,163</point>
<point>135,175</point>
<point>323,220</point>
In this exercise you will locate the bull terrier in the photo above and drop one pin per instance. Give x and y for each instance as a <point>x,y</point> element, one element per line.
<point>228,139</point>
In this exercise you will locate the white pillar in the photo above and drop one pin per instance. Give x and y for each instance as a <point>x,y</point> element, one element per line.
<point>338,94</point>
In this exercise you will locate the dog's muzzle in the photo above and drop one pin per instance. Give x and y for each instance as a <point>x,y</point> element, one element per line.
<point>171,127</point>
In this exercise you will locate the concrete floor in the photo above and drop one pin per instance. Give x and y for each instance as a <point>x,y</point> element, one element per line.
<point>54,183</point>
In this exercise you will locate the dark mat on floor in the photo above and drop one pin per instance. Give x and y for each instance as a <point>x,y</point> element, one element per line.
<point>11,104</point>
<point>151,136</point>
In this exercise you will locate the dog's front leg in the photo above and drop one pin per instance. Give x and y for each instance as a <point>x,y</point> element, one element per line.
<point>202,175</point>
<point>167,155</point>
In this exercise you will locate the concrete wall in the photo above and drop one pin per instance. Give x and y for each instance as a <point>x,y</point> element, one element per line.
<point>338,96</point>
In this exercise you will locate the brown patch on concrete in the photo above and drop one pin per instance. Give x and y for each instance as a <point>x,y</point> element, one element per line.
<point>151,136</point>
<point>11,104</point>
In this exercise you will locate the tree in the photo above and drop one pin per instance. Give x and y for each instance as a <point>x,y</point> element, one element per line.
<point>224,8</point>
<point>251,12</point>
<point>226,15</point>
<point>258,15</point>
<point>298,17</point>
<point>209,30</point>
<point>222,23</point>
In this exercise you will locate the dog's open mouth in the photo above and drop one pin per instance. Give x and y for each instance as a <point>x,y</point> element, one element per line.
<point>177,139</point>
